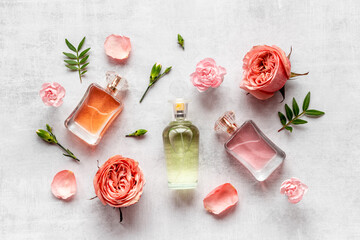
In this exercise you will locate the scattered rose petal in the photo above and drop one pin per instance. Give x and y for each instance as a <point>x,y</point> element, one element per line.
<point>221,198</point>
<point>293,189</point>
<point>117,47</point>
<point>52,94</point>
<point>63,185</point>
<point>207,75</point>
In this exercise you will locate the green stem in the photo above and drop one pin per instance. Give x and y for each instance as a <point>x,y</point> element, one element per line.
<point>70,154</point>
<point>290,122</point>
<point>145,93</point>
<point>77,56</point>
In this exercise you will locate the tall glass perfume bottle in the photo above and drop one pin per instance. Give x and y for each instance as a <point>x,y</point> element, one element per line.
<point>97,109</point>
<point>181,145</point>
<point>250,146</point>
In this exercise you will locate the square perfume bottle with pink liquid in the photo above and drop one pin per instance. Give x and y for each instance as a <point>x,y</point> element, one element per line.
<point>250,146</point>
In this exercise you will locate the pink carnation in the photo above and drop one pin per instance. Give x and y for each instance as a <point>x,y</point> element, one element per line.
<point>52,94</point>
<point>207,74</point>
<point>293,189</point>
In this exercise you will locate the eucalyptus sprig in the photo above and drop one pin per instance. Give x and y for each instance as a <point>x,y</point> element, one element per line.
<point>137,133</point>
<point>181,41</point>
<point>81,58</point>
<point>49,137</point>
<point>294,115</point>
<point>155,75</point>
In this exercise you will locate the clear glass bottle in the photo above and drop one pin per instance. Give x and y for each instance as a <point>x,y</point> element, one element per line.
<point>181,145</point>
<point>250,146</point>
<point>97,109</point>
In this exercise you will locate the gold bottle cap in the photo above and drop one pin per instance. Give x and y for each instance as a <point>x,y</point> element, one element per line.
<point>226,123</point>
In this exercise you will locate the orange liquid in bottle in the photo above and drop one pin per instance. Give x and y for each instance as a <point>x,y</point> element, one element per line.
<point>97,111</point>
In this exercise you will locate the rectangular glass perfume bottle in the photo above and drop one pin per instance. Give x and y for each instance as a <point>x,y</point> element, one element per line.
<point>97,109</point>
<point>250,146</point>
<point>181,145</point>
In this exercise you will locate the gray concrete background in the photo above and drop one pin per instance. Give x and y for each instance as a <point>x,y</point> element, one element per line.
<point>324,154</point>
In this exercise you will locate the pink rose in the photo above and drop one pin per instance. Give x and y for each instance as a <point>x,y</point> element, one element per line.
<point>266,70</point>
<point>207,74</point>
<point>119,182</point>
<point>293,189</point>
<point>52,94</point>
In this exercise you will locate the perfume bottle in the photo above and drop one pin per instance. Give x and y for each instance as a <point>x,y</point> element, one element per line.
<point>250,146</point>
<point>181,145</point>
<point>97,109</point>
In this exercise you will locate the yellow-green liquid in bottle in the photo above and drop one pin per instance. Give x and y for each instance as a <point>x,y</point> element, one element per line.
<point>181,145</point>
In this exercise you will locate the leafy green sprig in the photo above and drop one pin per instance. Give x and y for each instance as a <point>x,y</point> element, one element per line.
<point>49,137</point>
<point>77,62</point>
<point>181,41</point>
<point>155,75</point>
<point>137,133</point>
<point>293,115</point>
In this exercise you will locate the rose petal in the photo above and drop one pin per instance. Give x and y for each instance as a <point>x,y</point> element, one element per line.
<point>63,185</point>
<point>221,198</point>
<point>117,47</point>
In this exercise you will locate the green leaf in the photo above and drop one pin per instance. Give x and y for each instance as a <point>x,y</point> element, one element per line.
<point>70,46</point>
<point>83,72</point>
<point>295,107</point>
<point>84,66</point>
<point>70,55</point>
<point>298,121</point>
<point>282,118</point>
<point>289,113</point>
<point>72,67</point>
<point>82,54</point>
<point>289,128</point>
<point>71,62</point>
<point>84,59</point>
<point>306,102</point>
<point>313,112</point>
<point>81,44</point>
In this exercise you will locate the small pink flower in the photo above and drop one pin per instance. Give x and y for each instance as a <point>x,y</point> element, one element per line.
<point>52,94</point>
<point>64,184</point>
<point>293,189</point>
<point>221,198</point>
<point>207,74</point>
<point>117,47</point>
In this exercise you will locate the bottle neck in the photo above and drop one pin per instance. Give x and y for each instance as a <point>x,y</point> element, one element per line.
<point>231,127</point>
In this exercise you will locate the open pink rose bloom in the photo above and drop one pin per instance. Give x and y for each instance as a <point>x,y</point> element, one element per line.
<point>117,47</point>
<point>119,182</point>
<point>63,185</point>
<point>293,189</point>
<point>266,70</point>
<point>52,94</point>
<point>207,75</point>
<point>221,198</point>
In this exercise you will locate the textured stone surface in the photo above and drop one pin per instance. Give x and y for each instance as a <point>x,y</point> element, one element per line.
<point>324,154</point>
